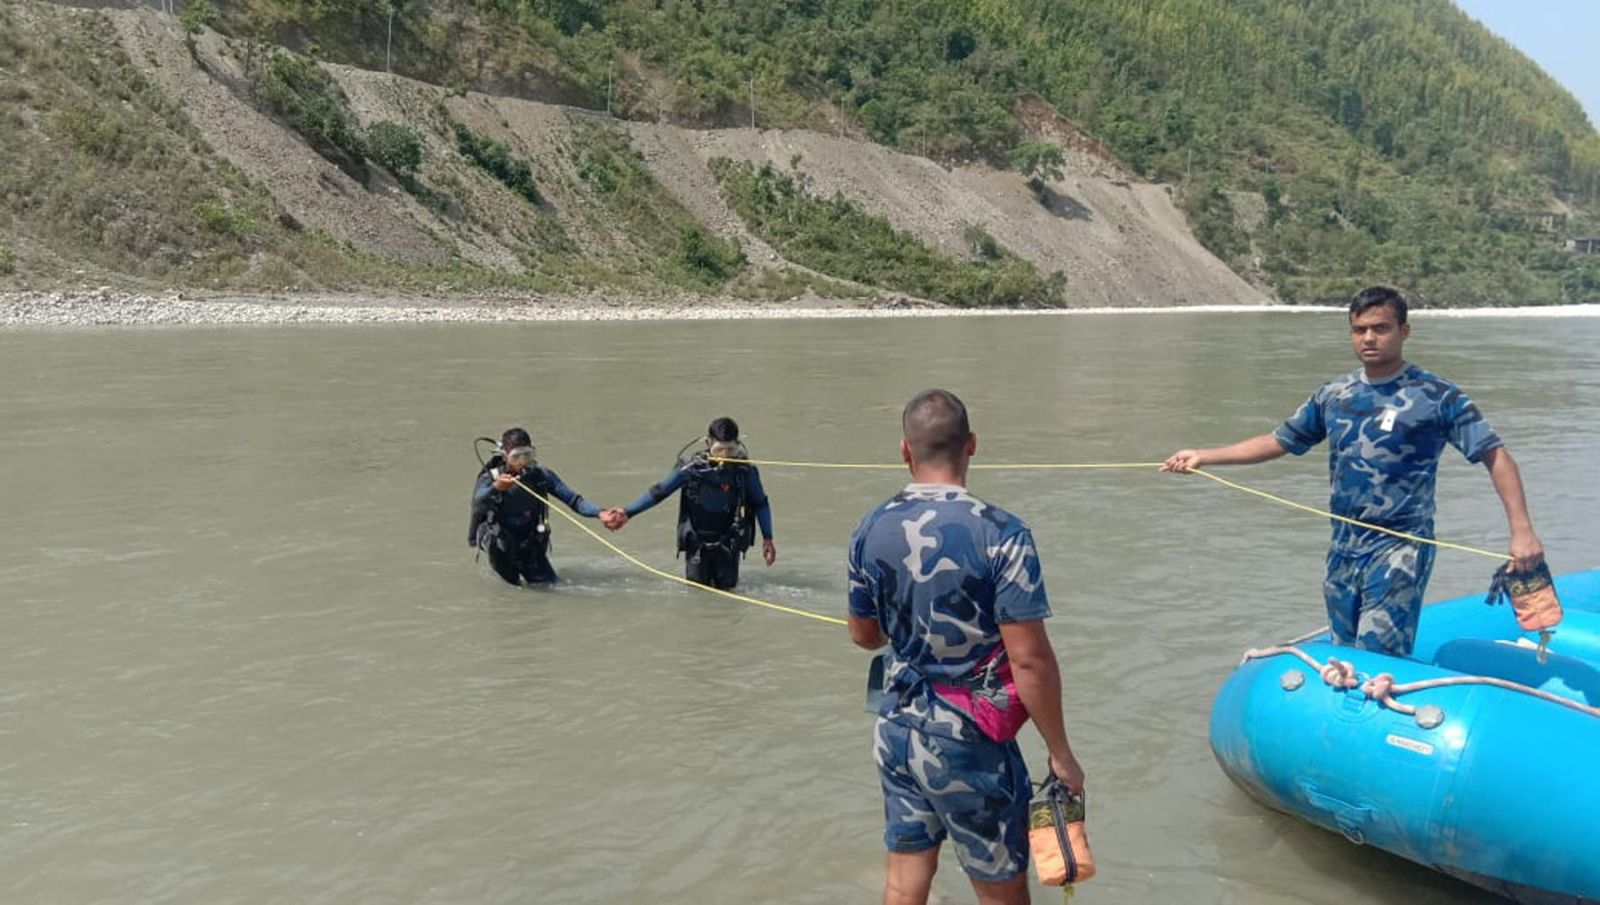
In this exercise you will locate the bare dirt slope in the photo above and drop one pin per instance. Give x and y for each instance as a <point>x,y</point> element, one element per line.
<point>1120,243</point>
<point>313,191</point>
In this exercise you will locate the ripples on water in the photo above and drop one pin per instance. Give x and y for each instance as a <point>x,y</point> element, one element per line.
<point>245,655</point>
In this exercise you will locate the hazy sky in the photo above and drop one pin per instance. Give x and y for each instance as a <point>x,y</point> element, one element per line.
<point>1562,36</point>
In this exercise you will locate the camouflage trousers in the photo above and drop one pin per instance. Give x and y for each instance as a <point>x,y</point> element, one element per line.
<point>1375,596</point>
<point>976,793</point>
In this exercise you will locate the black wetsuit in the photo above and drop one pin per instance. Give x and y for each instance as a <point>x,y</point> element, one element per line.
<point>717,512</point>
<point>513,527</point>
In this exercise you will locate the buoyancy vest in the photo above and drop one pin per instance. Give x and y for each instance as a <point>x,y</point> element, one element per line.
<point>513,517</point>
<point>714,506</point>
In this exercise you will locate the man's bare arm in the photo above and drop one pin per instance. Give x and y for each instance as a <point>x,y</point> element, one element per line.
<point>1245,452</point>
<point>1038,678</point>
<point>1526,549</point>
<point>866,633</point>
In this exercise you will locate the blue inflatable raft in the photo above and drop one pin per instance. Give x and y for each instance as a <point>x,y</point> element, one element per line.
<point>1485,781</point>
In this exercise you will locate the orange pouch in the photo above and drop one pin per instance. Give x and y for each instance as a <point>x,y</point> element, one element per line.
<point>1057,840</point>
<point>1533,596</point>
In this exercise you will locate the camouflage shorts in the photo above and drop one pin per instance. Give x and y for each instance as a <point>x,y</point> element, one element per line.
<point>974,792</point>
<point>1375,597</point>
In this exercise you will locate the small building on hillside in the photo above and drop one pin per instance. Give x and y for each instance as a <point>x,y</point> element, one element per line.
<point>1584,246</point>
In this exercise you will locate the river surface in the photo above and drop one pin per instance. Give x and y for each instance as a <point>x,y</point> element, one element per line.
<point>247,656</point>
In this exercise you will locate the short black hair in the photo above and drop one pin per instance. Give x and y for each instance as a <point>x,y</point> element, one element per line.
<point>1375,296</point>
<point>936,426</point>
<point>515,437</point>
<point>724,430</point>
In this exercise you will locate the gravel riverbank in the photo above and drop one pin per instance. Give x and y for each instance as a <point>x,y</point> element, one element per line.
<point>107,307</point>
<point>111,307</point>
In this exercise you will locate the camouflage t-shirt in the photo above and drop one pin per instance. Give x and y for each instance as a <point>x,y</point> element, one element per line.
<point>1384,441</point>
<point>940,570</point>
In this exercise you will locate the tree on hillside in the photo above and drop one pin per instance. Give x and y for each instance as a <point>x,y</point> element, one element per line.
<point>1038,161</point>
<point>197,16</point>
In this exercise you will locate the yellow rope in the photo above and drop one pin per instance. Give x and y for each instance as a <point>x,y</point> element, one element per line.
<point>1348,521</point>
<point>974,466</point>
<point>1104,465</point>
<point>835,620</point>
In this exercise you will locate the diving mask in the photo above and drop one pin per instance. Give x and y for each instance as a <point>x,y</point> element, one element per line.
<point>521,457</point>
<point>726,451</point>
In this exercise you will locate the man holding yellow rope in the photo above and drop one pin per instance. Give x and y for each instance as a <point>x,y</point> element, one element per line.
<point>1386,425</point>
<point>952,585</point>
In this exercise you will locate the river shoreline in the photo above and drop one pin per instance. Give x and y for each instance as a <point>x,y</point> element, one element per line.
<point>107,307</point>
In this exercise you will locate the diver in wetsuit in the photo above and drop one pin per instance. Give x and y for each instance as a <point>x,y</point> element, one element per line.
<point>510,523</point>
<point>719,505</point>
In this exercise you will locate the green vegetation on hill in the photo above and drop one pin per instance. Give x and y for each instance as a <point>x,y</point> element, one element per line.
<point>395,147</point>
<point>675,249</point>
<point>104,175</point>
<point>107,180</point>
<point>837,238</point>
<point>296,89</point>
<point>493,158</point>
<point>1393,141</point>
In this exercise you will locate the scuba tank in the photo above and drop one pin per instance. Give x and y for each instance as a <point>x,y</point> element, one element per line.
<point>1056,836</point>
<point>491,465</point>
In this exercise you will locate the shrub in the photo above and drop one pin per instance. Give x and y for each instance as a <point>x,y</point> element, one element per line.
<point>492,157</point>
<point>97,135</point>
<point>217,218</point>
<point>197,17</point>
<point>395,147</point>
<point>709,258</point>
<point>984,247</point>
<point>298,90</point>
<point>607,161</point>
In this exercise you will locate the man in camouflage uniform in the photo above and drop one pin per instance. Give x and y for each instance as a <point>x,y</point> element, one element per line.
<point>1386,425</point>
<point>952,585</point>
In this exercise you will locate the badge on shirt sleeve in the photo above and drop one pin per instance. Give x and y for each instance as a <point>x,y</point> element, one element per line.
<point>1387,421</point>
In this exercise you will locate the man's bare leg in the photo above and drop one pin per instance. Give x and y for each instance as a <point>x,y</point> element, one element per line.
<point>911,877</point>
<point>1005,892</point>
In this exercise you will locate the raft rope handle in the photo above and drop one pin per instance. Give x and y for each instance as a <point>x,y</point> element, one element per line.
<point>1341,674</point>
<point>796,611</point>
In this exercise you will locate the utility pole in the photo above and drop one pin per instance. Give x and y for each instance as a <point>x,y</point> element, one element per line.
<point>752,101</point>
<point>388,42</point>
<point>610,74</point>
